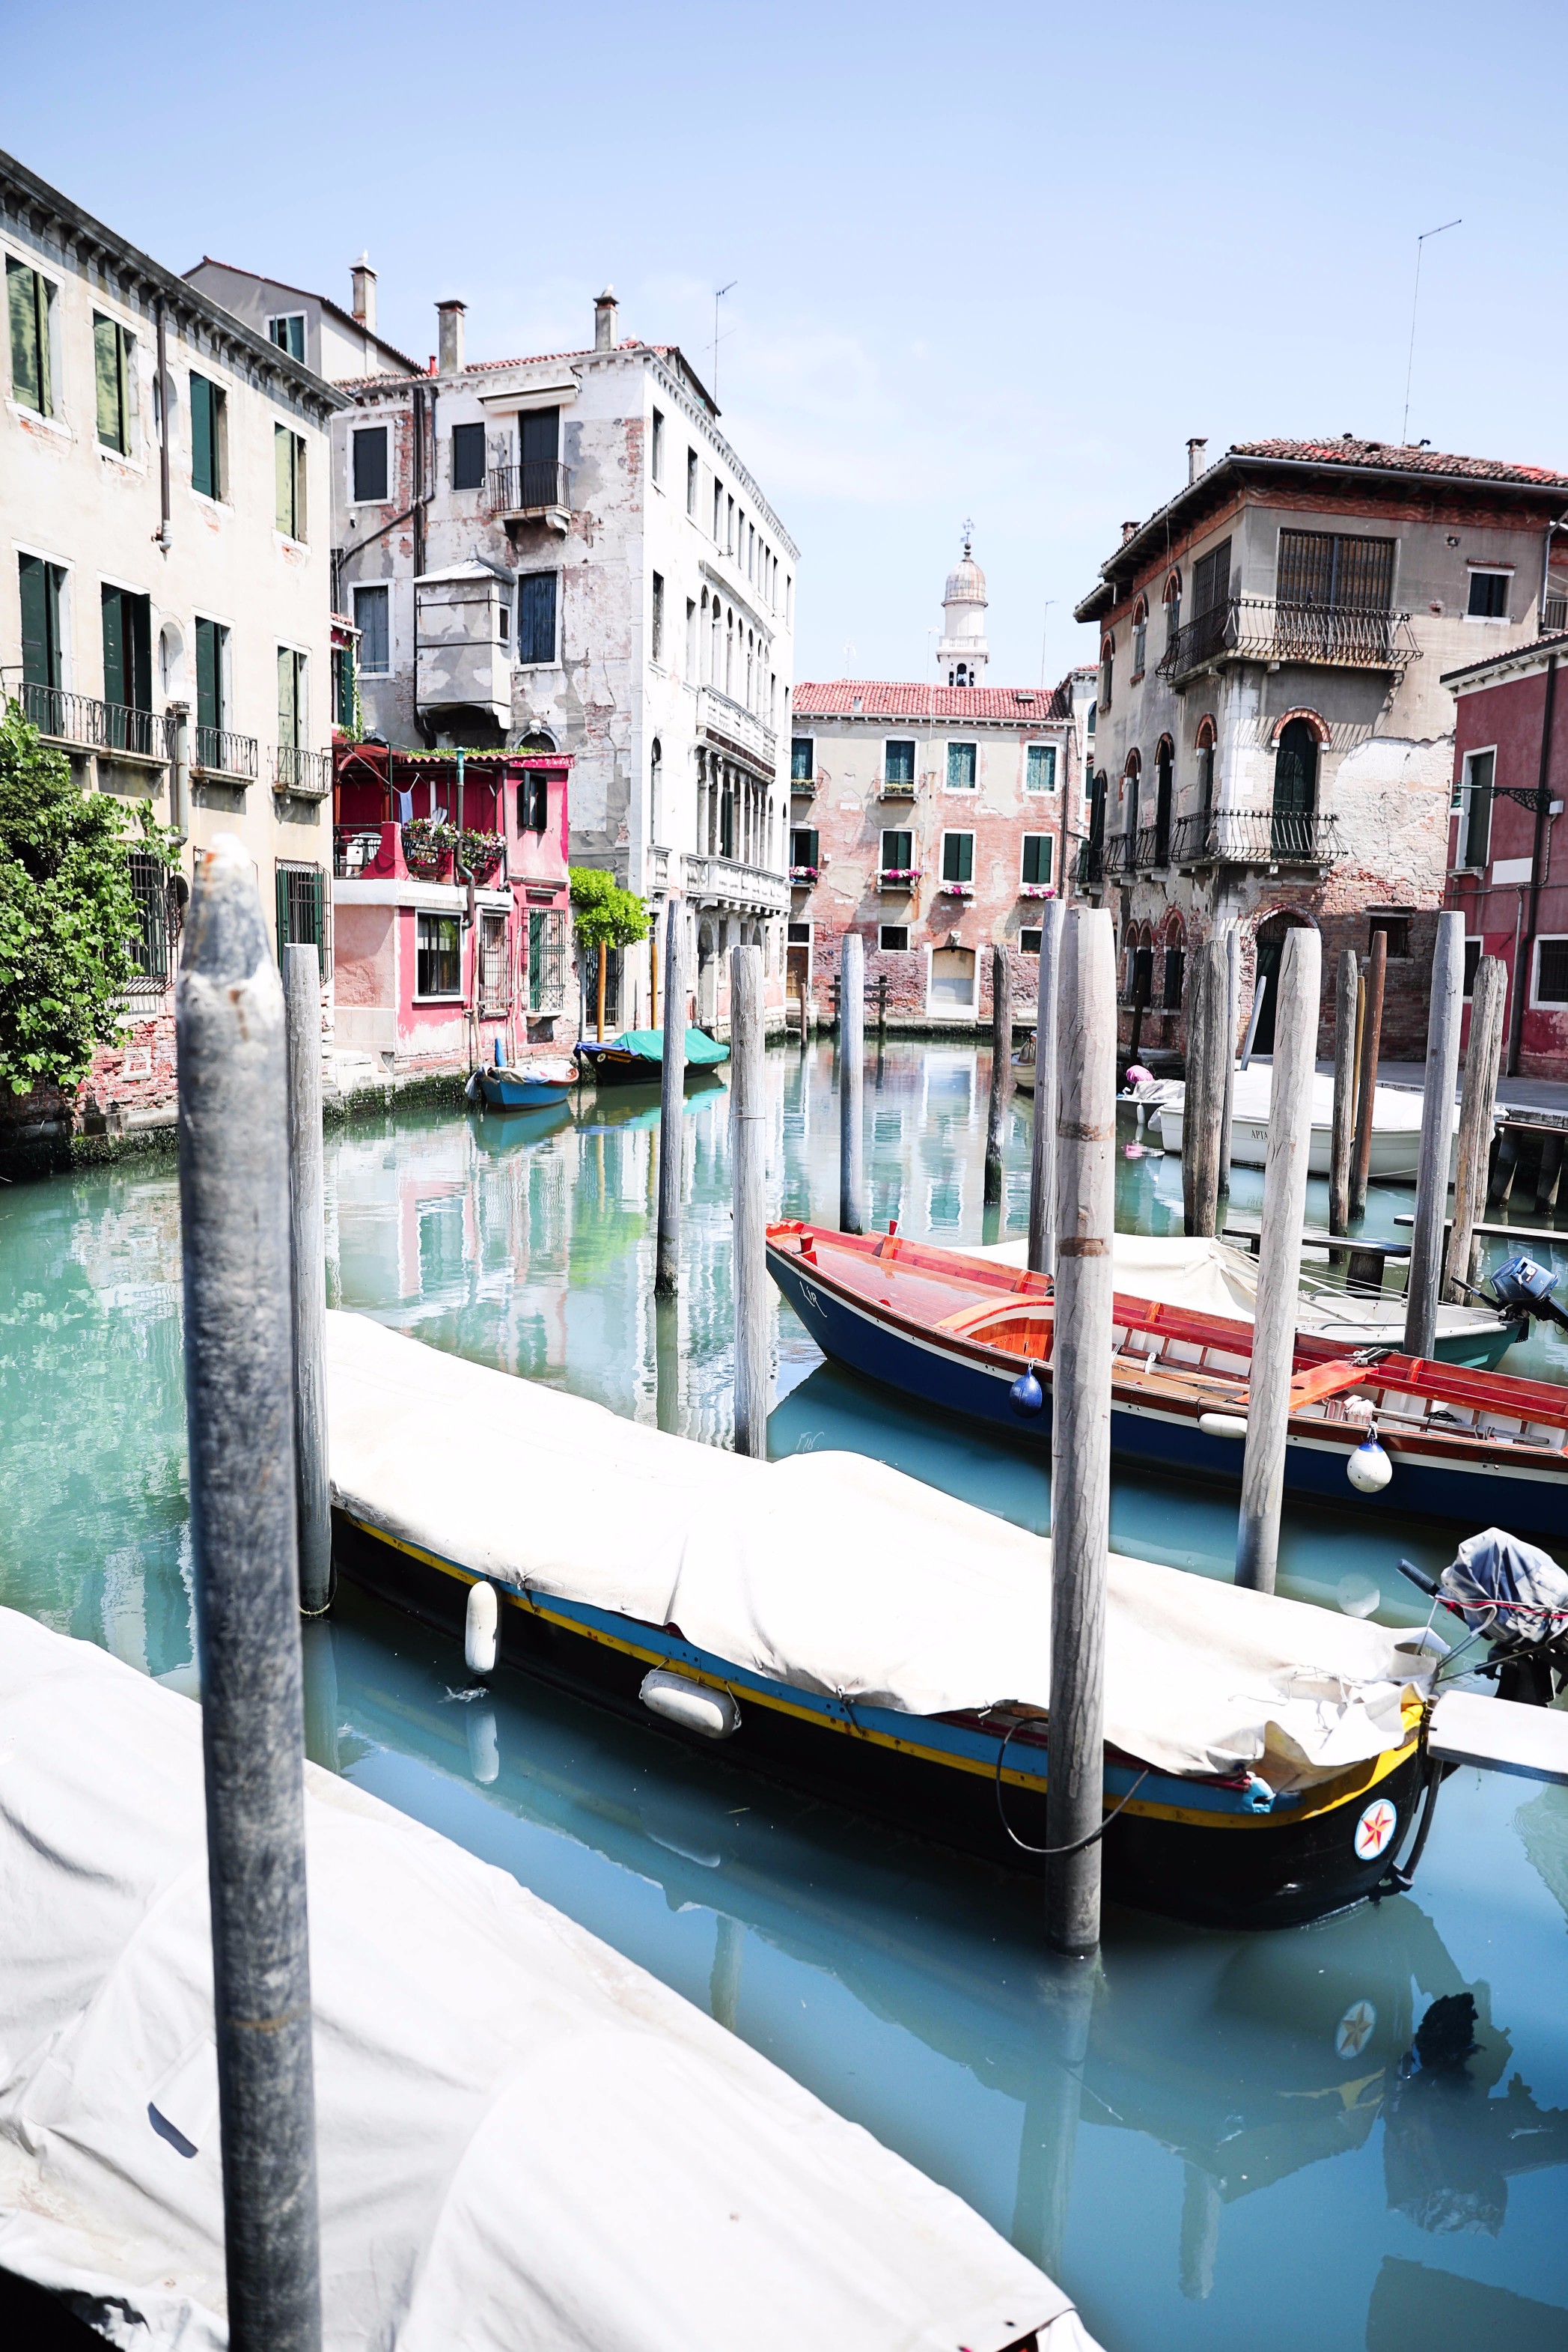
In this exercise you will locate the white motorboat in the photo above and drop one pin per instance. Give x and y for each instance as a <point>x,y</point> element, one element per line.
<point>1395,1125</point>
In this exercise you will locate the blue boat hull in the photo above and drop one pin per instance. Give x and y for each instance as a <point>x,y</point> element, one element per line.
<point>923,1369</point>
<point>504,1091</point>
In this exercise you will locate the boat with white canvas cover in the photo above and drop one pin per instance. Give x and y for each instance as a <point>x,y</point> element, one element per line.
<point>1396,1123</point>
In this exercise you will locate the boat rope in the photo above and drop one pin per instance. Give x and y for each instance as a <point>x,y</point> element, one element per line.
<point>1079,1845</point>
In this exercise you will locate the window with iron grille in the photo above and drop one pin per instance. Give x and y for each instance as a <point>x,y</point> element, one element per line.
<point>438,956</point>
<point>893,938</point>
<point>1551,972</point>
<point>157,928</point>
<point>1397,929</point>
<point>1210,581</point>
<point>494,992</point>
<point>546,960</point>
<point>301,910</point>
<point>1326,568</point>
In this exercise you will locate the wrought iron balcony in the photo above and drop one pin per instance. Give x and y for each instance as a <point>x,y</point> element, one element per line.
<point>1256,837</point>
<point>86,724</point>
<point>216,752</point>
<point>1090,871</point>
<point>1553,617</point>
<point>536,486</point>
<point>306,774</point>
<point>1143,852</point>
<point>1259,628</point>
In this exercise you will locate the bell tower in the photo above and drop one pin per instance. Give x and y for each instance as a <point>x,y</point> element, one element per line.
<point>962,656</point>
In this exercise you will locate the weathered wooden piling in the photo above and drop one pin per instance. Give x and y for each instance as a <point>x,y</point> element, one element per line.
<point>1279,1259</point>
<point>1080,1422</point>
<point>239,1406</point>
<point>852,1082</point>
<point>1002,1070</point>
<point>1372,986</point>
<point>1443,1013</point>
<point>308,1264</point>
<point>672,1100</point>
<point>1232,1016</point>
<point>749,1149</point>
<point>1042,1149</point>
<point>1478,1106</point>
<point>1203,1110</point>
<point>1341,1140</point>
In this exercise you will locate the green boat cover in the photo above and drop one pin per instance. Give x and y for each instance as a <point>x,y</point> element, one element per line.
<point>702,1052</point>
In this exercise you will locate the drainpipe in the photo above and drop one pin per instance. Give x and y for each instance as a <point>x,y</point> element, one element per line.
<point>165,536</point>
<point>179,767</point>
<point>1526,948</point>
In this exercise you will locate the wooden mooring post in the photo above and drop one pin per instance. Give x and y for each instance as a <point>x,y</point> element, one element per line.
<point>1001,1071</point>
<point>1372,987</point>
<point>851,1081</point>
<point>1042,1147</point>
<point>307,1274</point>
<point>1478,1106</point>
<point>1342,1140</point>
<point>1232,1017</point>
<point>1081,1423</point>
<point>1279,1259</point>
<point>749,1159</point>
<point>1437,1135</point>
<point>671,1104</point>
<point>239,1410</point>
<point>1203,1112</point>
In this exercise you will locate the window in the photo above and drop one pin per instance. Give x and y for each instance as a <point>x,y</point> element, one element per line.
<point>467,458</point>
<point>1029,942</point>
<point>345,690</point>
<point>546,960</point>
<point>1174,963</point>
<point>1107,671</point>
<point>1397,929</point>
<point>898,762</point>
<point>293,704</point>
<point>438,956</point>
<point>128,655</point>
<point>957,857</point>
<point>212,663</point>
<point>1172,609</point>
<point>1140,635</point>
<point>692,483</point>
<point>152,942</point>
<point>1472,964</point>
<point>1039,768</point>
<point>961,767</point>
<point>656,446</point>
<point>30,299</point>
<point>798,935</point>
<point>1474,798</point>
<point>897,852</point>
<point>803,846</point>
<point>288,471</point>
<point>41,587</point>
<point>718,510</point>
<point>691,640</point>
<point>493,990</point>
<point>533,802</point>
<point>802,760</point>
<point>1211,581</point>
<point>111,352</point>
<point>729,526</point>
<point>368,447</point>
<point>372,618</point>
<point>301,910</point>
<point>893,938</point>
<point>658,630</point>
<point>1551,972</point>
<point>1037,851</point>
<point>1488,596</point>
<point>1323,568</point>
<point>288,333</point>
<point>208,437</point>
<point>536,617</point>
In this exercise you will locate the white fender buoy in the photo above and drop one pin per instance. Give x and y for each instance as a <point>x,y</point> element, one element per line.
<point>1369,1468</point>
<point>481,1630</point>
<point>1223,1424</point>
<point>484,1744</point>
<point>695,1706</point>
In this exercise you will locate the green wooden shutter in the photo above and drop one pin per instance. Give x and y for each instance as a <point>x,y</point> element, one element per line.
<point>34,623</point>
<point>108,368</point>
<point>958,857</point>
<point>139,652</point>
<point>114,679</point>
<point>281,880</point>
<point>288,701</point>
<point>208,708</point>
<point>283,478</point>
<point>203,474</point>
<point>28,304</point>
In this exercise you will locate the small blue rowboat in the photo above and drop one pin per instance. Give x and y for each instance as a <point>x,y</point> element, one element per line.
<point>537,1084</point>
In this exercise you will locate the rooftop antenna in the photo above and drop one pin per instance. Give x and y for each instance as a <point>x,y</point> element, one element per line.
<point>719,293</point>
<point>1045,623</point>
<point>968,535</point>
<point>1415,298</point>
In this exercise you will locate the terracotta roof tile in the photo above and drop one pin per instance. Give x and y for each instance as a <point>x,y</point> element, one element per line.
<point>881,697</point>
<point>1399,455</point>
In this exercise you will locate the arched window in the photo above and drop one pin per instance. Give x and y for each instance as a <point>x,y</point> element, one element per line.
<point>715,645</point>
<point>1204,747</point>
<point>1107,664</point>
<point>1174,971</point>
<point>538,739</point>
<point>1164,766</point>
<point>1173,608</point>
<point>1143,972</point>
<point>729,660</point>
<point>1130,775</point>
<point>1140,636</point>
<point>959,675</point>
<point>1291,825</point>
<point>656,787</point>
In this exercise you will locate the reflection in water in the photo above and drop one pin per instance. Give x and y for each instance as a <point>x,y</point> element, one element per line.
<point>1111,2119</point>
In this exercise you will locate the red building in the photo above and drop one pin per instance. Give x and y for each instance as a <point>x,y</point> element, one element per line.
<point>450,904</point>
<point>1510,777</point>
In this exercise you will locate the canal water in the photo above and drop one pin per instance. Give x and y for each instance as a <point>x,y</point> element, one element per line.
<point>1243,2150</point>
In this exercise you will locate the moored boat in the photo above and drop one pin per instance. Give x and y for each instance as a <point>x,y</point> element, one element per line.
<point>537,1084</point>
<point>957,1333</point>
<point>1396,1124</point>
<point>636,1058</point>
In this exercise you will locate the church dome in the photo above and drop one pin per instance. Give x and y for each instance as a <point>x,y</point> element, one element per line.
<point>966,585</point>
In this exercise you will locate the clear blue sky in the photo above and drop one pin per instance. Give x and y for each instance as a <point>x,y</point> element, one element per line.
<point>995,260</point>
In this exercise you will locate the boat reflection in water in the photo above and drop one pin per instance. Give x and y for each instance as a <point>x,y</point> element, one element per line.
<point>1247,2058</point>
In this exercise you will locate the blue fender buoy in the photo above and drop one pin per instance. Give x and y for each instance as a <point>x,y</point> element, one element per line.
<point>1026,1394</point>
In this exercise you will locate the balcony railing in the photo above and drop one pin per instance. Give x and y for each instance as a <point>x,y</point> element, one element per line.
<point>1144,852</point>
<point>730,882</point>
<point>216,752</point>
<point>81,720</point>
<point>1256,837</point>
<point>723,721</point>
<point>532,487</point>
<point>1090,871</point>
<point>1259,628</point>
<point>306,774</point>
<point>1554,616</point>
<point>355,851</point>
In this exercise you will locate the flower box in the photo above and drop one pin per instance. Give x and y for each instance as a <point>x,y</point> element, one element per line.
<point>1037,891</point>
<point>803,873</point>
<point>481,853</point>
<point>957,889</point>
<point>898,877</point>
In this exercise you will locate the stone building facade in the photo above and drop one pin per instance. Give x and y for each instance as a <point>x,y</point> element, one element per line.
<point>564,554</point>
<point>932,820</point>
<point>1274,740</point>
<point>165,615</point>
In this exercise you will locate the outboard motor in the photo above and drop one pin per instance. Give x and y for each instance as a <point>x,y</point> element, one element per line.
<point>1517,1596</point>
<point>1523,1288</point>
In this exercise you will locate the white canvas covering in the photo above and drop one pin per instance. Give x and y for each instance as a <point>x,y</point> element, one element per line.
<point>525,2143</point>
<point>834,1572</point>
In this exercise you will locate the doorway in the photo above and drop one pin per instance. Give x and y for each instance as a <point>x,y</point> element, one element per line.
<point>1295,791</point>
<point>952,980</point>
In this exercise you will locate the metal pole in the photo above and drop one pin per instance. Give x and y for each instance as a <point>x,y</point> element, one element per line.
<point>308,1257</point>
<point>1232,1014</point>
<point>1436,1134</point>
<point>1366,1084</point>
<point>852,1078</point>
<point>1002,1070</point>
<point>1299,983</point>
<point>752,1401</point>
<point>1478,1110</point>
<point>1081,1420</point>
<point>1347,992</point>
<point>1203,1112</point>
<point>1042,1153</point>
<point>672,1098</point>
<point>239,1389</point>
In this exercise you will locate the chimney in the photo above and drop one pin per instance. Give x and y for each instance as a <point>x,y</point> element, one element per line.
<point>1129,530</point>
<point>363,279</point>
<point>1195,449</point>
<point>449,335</point>
<point>605,315</point>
